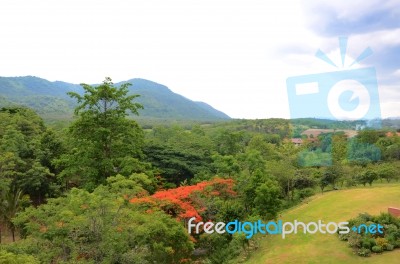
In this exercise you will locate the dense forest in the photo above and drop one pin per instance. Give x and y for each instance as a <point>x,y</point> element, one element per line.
<point>105,188</point>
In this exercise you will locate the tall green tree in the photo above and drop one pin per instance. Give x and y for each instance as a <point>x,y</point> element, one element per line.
<point>22,175</point>
<point>102,137</point>
<point>339,147</point>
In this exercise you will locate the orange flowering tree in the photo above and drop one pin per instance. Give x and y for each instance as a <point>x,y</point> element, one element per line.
<point>186,202</point>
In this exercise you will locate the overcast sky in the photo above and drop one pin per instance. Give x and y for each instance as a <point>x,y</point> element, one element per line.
<point>234,55</point>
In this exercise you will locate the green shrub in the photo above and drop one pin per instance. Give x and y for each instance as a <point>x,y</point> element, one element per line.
<point>306,192</point>
<point>354,240</point>
<point>389,247</point>
<point>393,238</point>
<point>11,258</point>
<point>396,244</point>
<point>390,228</point>
<point>364,252</point>
<point>368,242</point>
<point>377,249</point>
<point>378,242</point>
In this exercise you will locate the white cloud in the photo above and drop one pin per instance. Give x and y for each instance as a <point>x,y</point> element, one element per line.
<point>234,55</point>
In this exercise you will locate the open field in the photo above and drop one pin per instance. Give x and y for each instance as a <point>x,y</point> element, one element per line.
<point>333,206</point>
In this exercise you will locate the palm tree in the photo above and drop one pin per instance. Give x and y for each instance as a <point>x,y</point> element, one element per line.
<point>10,204</point>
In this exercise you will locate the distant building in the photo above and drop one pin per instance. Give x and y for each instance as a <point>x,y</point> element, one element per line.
<point>297,141</point>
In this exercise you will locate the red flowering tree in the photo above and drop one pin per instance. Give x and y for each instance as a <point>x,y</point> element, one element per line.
<point>186,202</point>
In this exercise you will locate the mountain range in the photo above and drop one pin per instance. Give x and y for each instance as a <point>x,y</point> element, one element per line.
<point>51,99</point>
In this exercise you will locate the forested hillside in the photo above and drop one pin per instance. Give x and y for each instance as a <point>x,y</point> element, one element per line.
<point>51,101</point>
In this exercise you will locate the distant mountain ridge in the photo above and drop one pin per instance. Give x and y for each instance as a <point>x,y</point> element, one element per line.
<point>50,98</point>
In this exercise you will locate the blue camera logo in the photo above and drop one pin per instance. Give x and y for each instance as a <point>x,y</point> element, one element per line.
<point>341,95</point>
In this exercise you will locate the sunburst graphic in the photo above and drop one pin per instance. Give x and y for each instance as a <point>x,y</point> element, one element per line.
<point>343,50</point>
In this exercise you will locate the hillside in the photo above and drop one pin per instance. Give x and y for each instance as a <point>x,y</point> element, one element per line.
<point>51,99</point>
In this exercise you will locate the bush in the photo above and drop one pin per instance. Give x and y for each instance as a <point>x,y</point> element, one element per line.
<point>364,252</point>
<point>368,243</point>
<point>354,240</point>
<point>11,258</point>
<point>389,247</point>
<point>396,244</point>
<point>382,242</point>
<point>307,192</point>
<point>390,228</point>
<point>377,249</point>
<point>378,242</point>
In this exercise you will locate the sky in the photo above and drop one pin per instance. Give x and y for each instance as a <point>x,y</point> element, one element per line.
<point>233,55</point>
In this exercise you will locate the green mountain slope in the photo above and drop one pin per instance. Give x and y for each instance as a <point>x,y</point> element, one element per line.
<point>50,98</point>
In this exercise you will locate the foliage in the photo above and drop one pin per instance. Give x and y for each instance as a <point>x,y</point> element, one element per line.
<point>364,242</point>
<point>175,164</point>
<point>178,154</point>
<point>316,158</point>
<point>364,252</point>
<point>97,226</point>
<point>22,171</point>
<point>102,137</point>
<point>267,202</point>
<point>368,175</point>
<point>329,176</point>
<point>50,101</point>
<point>387,171</point>
<point>362,153</point>
<point>133,216</point>
<point>377,249</point>
<point>11,258</point>
<point>186,202</point>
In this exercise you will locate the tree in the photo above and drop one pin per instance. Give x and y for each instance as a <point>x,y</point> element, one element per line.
<point>339,147</point>
<point>10,205</point>
<point>97,227</point>
<point>323,181</point>
<point>251,161</point>
<point>304,178</point>
<point>21,170</point>
<point>362,153</point>
<point>229,142</point>
<point>284,173</point>
<point>102,136</point>
<point>369,136</point>
<point>267,201</point>
<point>225,165</point>
<point>332,174</point>
<point>174,163</point>
<point>187,201</point>
<point>386,171</point>
<point>367,176</point>
<point>259,142</point>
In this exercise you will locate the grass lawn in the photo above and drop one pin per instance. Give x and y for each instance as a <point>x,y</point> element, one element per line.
<point>334,206</point>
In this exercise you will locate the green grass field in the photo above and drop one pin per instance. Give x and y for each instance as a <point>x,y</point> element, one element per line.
<point>334,206</point>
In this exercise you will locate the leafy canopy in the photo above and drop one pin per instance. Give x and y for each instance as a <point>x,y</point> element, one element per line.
<point>102,137</point>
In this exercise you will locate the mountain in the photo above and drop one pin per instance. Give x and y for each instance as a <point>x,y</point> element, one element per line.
<point>51,99</point>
